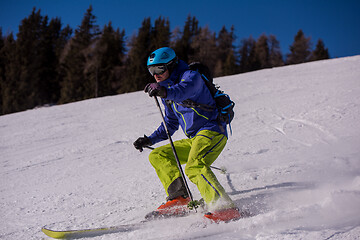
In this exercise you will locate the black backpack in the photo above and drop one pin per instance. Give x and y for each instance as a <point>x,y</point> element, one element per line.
<point>223,101</point>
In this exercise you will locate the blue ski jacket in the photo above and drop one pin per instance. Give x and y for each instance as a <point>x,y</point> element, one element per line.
<point>184,84</point>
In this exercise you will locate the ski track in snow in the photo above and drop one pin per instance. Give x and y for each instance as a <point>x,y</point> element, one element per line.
<point>299,130</point>
<point>293,161</point>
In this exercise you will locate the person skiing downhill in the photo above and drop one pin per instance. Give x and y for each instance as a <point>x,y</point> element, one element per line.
<point>175,85</point>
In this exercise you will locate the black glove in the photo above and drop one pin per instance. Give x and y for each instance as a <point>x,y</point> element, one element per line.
<point>142,142</point>
<point>154,89</point>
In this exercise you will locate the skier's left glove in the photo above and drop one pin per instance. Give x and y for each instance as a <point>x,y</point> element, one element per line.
<point>142,142</point>
<point>154,89</point>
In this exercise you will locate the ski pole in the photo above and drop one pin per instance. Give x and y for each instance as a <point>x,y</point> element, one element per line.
<point>174,151</point>
<point>222,169</point>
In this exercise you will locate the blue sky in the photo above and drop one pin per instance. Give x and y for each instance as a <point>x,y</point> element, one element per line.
<point>336,22</point>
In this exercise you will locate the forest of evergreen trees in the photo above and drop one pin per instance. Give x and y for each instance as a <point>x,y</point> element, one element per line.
<point>50,64</point>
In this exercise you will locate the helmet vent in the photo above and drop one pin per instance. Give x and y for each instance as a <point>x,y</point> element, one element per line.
<point>151,58</point>
<point>165,55</point>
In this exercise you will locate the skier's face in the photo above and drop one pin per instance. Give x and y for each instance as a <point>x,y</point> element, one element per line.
<point>162,77</point>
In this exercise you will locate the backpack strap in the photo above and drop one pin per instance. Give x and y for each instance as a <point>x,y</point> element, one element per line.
<point>168,104</point>
<point>191,104</point>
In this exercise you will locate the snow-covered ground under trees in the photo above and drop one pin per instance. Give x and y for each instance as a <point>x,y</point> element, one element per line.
<point>293,161</point>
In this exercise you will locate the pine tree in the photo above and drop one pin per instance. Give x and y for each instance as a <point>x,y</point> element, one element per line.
<point>76,85</point>
<point>160,34</point>
<point>230,66</point>
<point>275,58</point>
<point>300,50</point>
<point>113,65</point>
<point>37,61</point>
<point>2,69</point>
<point>60,44</point>
<point>11,97</point>
<point>262,52</point>
<point>226,60</point>
<point>49,59</point>
<point>30,55</point>
<point>204,46</point>
<point>30,77</point>
<point>320,52</point>
<point>182,46</point>
<point>137,75</point>
<point>104,57</point>
<point>248,61</point>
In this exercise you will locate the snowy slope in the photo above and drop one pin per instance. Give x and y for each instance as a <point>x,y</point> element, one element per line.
<point>293,161</point>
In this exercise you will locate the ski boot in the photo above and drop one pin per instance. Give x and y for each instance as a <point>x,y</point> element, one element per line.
<point>225,215</point>
<point>173,207</point>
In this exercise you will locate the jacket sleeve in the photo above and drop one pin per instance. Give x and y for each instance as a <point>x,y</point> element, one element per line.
<point>187,87</point>
<point>172,124</point>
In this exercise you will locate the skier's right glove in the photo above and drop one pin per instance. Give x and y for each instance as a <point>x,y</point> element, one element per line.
<point>154,89</point>
<point>142,142</point>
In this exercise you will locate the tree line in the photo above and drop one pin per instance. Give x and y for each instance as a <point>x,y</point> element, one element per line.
<point>51,64</point>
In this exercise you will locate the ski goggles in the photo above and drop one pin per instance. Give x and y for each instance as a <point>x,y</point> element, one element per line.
<point>157,69</point>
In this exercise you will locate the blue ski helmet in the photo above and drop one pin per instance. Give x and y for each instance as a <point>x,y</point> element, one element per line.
<point>161,56</point>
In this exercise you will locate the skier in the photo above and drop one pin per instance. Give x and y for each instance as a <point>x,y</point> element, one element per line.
<point>174,84</point>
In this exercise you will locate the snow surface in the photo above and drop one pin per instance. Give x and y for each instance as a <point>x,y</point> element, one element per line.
<point>293,161</point>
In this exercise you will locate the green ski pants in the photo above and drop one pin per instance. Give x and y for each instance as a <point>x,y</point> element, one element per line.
<point>198,153</point>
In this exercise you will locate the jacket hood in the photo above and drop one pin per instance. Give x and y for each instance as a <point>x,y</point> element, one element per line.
<point>178,71</point>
